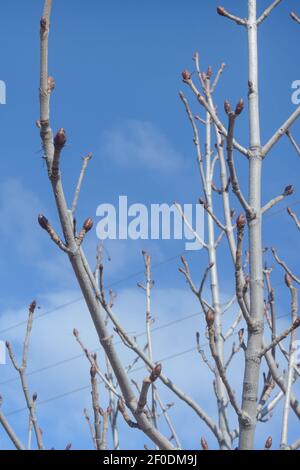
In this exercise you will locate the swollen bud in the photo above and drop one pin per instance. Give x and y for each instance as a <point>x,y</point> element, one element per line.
<point>204,444</point>
<point>268,443</point>
<point>186,75</point>
<point>227,108</point>
<point>88,224</point>
<point>51,84</point>
<point>60,139</point>
<point>121,405</point>
<point>288,190</point>
<point>155,372</point>
<point>34,396</point>
<point>43,25</point>
<point>241,221</point>
<point>43,221</point>
<point>209,72</point>
<point>296,323</point>
<point>288,280</point>
<point>32,306</point>
<point>68,446</point>
<point>93,372</point>
<point>239,107</point>
<point>75,333</point>
<point>221,11</point>
<point>210,318</point>
<point>241,335</point>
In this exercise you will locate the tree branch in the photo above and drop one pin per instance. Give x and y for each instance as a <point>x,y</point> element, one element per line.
<point>295,17</point>
<point>222,12</point>
<point>288,191</point>
<point>267,11</point>
<point>10,432</point>
<point>280,132</point>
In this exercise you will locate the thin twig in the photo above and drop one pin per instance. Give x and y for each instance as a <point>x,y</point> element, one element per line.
<point>85,161</point>
<point>267,11</point>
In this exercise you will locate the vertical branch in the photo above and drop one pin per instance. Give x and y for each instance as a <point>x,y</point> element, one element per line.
<point>214,278</point>
<point>149,285</point>
<point>290,372</point>
<point>9,430</point>
<point>255,334</point>
<point>30,401</point>
<point>96,407</point>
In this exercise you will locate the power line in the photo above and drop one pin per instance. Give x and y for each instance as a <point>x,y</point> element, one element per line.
<point>131,276</point>
<point>79,389</point>
<point>138,335</point>
<point>79,299</point>
<point>78,356</point>
<point>136,369</point>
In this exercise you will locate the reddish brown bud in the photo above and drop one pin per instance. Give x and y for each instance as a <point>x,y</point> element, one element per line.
<point>155,372</point>
<point>32,306</point>
<point>296,323</point>
<point>60,139</point>
<point>268,443</point>
<point>88,224</point>
<point>51,84</point>
<point>186,75</point>
<point>43,221</point>
<point>288,280</point>
<point>239,107</point>
<point>93,372</point>
<point>209,72</point>
<point>210,318</point>
<point>121,405</point>
<point>288,190</point>
<point>221,11</point>
<point>75,333</point>
<point>204,444</point>
<point>34,396</point>
<point>241,335</point>
<point>241,221</point>
<point>68,446</point>
<point>43,24</point>
<point>227,108</point>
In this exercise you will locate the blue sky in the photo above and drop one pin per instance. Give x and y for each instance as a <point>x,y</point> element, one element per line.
<point>118,68</point>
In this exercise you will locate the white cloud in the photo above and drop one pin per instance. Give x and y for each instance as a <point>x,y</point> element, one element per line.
<point>19,208</point>
<point>140,143</point>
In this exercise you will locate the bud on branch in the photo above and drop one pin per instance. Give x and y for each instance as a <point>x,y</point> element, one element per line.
<point>87,226</point>
<point>204,444</point>
<point>241,222</point>
<point>186,76</point>
<point>268,443</point>
<point>156,371</point>
<point>210,318</point>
